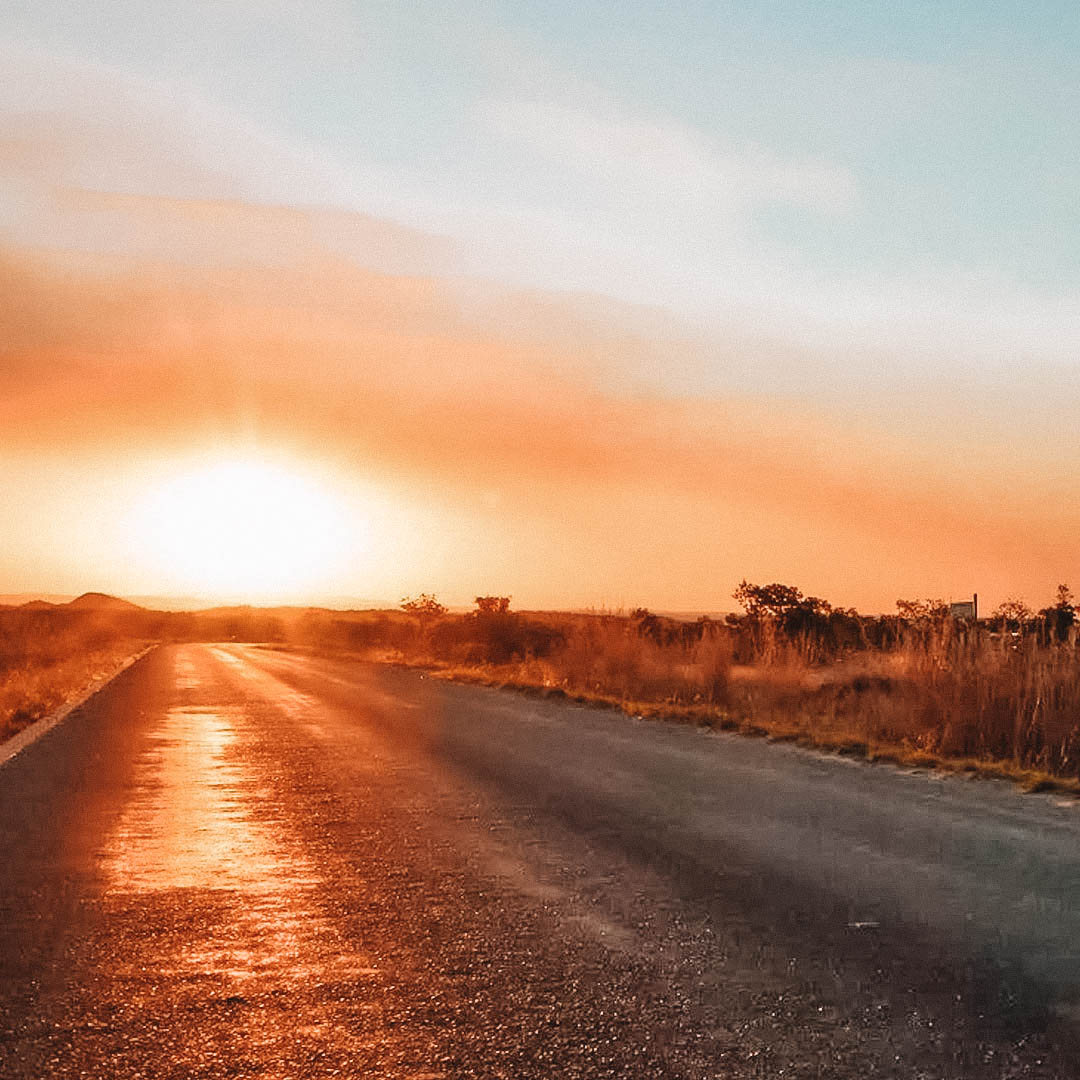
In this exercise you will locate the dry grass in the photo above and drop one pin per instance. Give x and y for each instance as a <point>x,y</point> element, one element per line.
<point>943,696</point>
<point>606,658</point>
<point>32,691</point>
<point>47,658</point>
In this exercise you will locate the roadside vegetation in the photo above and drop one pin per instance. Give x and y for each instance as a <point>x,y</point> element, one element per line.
<point>48,656</point>
<point>1000,695</point>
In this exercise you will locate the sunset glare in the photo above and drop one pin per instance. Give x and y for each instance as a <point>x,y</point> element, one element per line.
<point>244,530</point>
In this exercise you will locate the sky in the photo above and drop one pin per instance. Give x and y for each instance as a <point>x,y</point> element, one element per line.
<point>588,304</point>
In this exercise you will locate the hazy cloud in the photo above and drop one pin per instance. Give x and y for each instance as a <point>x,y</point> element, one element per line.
<point>660,160</point>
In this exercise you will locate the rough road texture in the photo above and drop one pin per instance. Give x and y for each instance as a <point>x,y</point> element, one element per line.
<point>236,862</point>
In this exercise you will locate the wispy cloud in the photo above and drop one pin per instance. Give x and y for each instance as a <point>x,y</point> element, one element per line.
<point>662,161</point>
<point>92,126</point>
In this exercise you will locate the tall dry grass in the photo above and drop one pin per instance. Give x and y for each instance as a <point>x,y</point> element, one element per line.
<point>987,697</point>
<point>46,658</point>
<point>934,691</point>
<point>32,691</point>
<point>607,657</point>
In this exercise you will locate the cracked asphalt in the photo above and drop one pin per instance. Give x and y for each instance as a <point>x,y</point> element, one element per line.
<point>236,862</point>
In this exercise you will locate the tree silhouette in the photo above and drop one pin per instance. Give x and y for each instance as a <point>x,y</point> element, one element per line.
<point>425,607</point>
<point>1012,613</point>
<point>921,610</point>
<point>492,605</point>
<point>1062,616</point>
<point>778,600</point>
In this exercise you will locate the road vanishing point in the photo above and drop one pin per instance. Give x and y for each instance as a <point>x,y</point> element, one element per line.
<point>236,861</point>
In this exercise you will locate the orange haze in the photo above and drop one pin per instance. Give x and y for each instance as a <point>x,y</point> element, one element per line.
<point>521,444</point>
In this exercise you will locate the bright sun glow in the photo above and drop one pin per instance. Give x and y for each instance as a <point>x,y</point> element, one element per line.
<point>245,530</point>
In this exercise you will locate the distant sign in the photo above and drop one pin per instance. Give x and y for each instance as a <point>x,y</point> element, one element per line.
<point>965,609</point>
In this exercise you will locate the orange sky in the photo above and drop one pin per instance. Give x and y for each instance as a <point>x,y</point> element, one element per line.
<point>562,448</point>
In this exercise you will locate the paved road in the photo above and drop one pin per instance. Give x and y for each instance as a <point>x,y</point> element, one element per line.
<point>238,862</point>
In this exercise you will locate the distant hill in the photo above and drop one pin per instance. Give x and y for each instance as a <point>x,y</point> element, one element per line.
<point>96,601</point>
<point>38,605</point>
<point>13,600</point>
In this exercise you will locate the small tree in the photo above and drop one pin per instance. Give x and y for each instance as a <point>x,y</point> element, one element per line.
<point>492,605</point>
<point>776,599</point>
<point>499,632</point>
<point>424,607</point>
<point>921,610</point>
<point>1062,616</point>
<point>777,608</point>
<point>1011,614</point>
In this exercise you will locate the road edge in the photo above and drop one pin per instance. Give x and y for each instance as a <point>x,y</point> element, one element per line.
<point>885,755</point>
<point>30,735</point>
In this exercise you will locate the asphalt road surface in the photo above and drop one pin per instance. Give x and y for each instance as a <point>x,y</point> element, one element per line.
<point>240,862</point>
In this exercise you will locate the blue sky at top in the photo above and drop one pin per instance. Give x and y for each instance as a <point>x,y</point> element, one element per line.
<point>845,163</point>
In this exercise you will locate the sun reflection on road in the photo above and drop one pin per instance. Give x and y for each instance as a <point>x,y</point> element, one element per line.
<point>188,826</point>
<point>199,819</point>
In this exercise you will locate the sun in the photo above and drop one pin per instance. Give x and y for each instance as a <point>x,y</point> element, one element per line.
<point>244,529</point>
